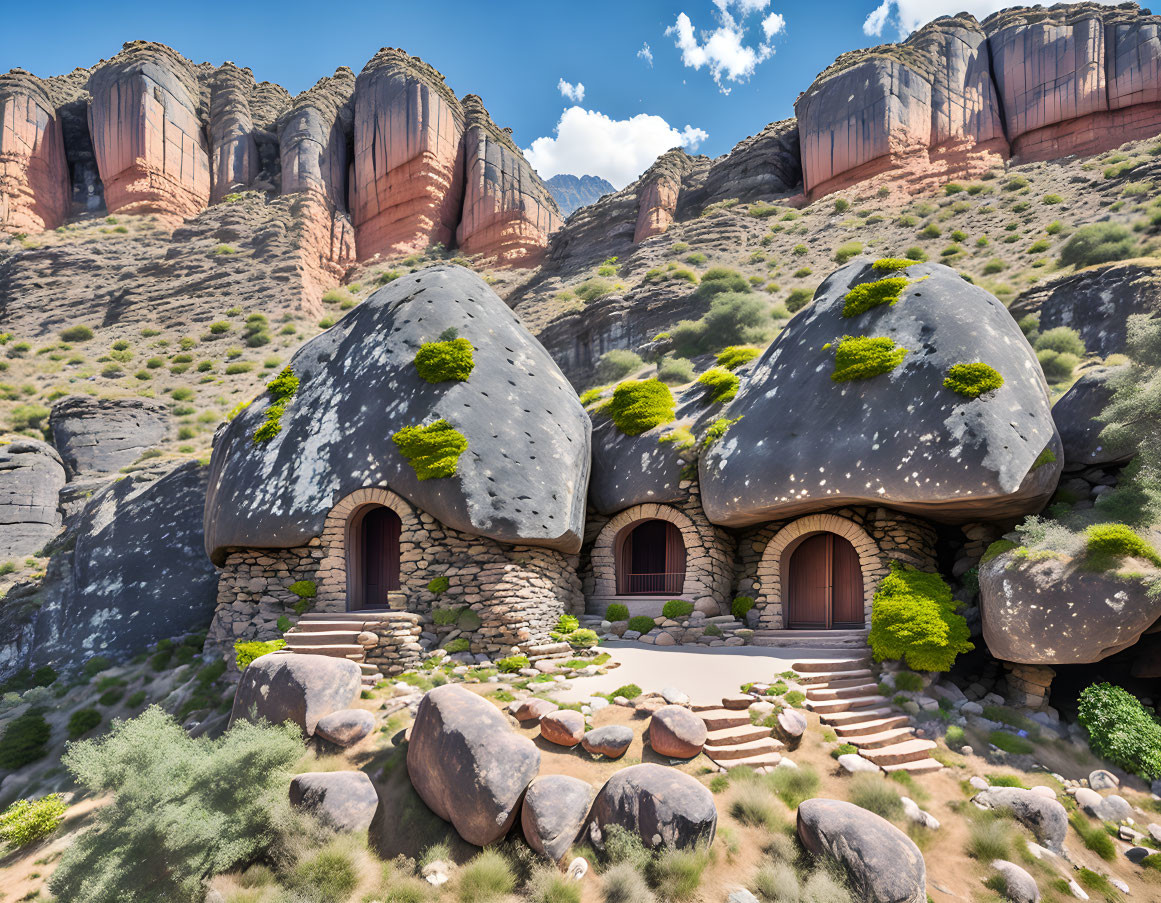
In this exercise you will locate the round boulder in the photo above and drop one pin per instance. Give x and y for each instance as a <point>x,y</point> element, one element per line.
<point>346,800</point>
<point>296,687</point>
<point>791,727</point>
<point>882,864</point>
<point>611,740</point>
<point>1076,416</point>
<point>662,806</point>
<point>554,812</point>
<point>1103,780</point>
<point>531,709</point>
<point>565,727</point>
<point>345,727</point>
<point>1045,818</point>
<point>676,732</point>
<point>1019,886</point>
<point>467,764</point>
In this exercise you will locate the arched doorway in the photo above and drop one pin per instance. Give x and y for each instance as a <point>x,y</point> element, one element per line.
<point>650,560</point>
<point>824,584</point>
<point>372,557</point>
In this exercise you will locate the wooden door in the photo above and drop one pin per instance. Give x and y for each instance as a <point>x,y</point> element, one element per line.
<point>651,560</point>
<point>824,585</point>
<point>847,587</point>
<point>380,530</point>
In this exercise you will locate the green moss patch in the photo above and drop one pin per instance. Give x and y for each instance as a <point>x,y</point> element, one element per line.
<point>721,385</point>
<point>892,264</point>
<point>244,653</point>
<point>450,361</point>
<point>283,388</point>
<point>996,549</point>
<point>973,380</point>
<point>638,405</point>
<point>433,450</point>
<point>736,356</point>
<point>1048,456</point>
<point>867,295</point>
<point>861,357</point>
<point>1106,544</point>
<point>438,585</point>
<point>717,429</point>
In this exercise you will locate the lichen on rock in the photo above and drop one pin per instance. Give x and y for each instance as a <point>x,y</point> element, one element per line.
<point>433,450</point>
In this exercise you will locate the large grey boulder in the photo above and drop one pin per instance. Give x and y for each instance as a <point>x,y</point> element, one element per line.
<point>882,864</point>
<point>1045,818</point>
<point>522,479</point>
<point>345,800</point>
<point>295,687</point>
<point>345,727</point>
<point>102,435</point>
<point>31,478</point>
<point>554,812</point>
<point>1076,416</point>
<point>663,806</point>
<point>130,570</point>
<point>468,765</point>
<point>901,438</point>
<point>1041,610</point>
<point>1019,886</point>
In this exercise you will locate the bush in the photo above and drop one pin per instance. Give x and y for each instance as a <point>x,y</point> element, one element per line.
<point>433,450</point>
<point>972,380</point>
<point>741,606</point>
<point>640,404</point>
<point>675,371</point>
<point>641,623</point>
<point>513,663</point>
<point>282,388</point>
<point>908,682</point>
<point>1097,243</point>
<point>1010,743</point>
<point>675,609</point>
<point>583,638</point>
<point>777,882</point>
<point>592,289</point>
<point>1106,544</point>
<point>1062,340</point>
<point>617,364</point>
<point>867,295</point>
<point>955,736</point>
<point>914,619</point>
<point>78,333</point>
<point>793,785</point>
<point>201,806</point>
<point>246,652</point>
<point>624,884</point>
<point>875,793</point>
<point>1057,367</point>
<point>677,873</point>
<point>845,252</point>
<point>326,876</point>
<point>720,280</point>
<point>798,299</point>
<point>617,612</point>
<point>863,357</point>
<point>459,644</point>
<point>990,837</point>
<point>27,821</point>
<point>450,361</point>
<point>721,385</point>
<point>754,804</point>
<point>549,886</point>
<point>1121,730</point>
<point>486,877</point>
<point>732,319</point>
<point>28,417</point>
<point>25,740</point>
<point>736,356</point>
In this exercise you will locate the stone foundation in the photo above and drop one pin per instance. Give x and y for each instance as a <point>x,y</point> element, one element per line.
<point>1028,685</point>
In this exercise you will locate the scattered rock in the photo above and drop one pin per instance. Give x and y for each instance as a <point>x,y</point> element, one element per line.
<point>345,727</point>
<point>436,873</point>
<point>920,817</point>
<point>295,687</point>
<point>853,763</point>
<point>531,709</point>
<point>611,740</point>
<point>1047,792</point>
<point>1020,887</point>
<point>791,727</point>
<point>554,812</point>
<point>564,727</point>
<point>1046,819</point>
<point>344,799</point>
<point>1103,780</point>
<point>1136,854</point>
<point>676,732</point>
<point>577,869</point>
<point>674,696</point>
<point>663,806</point>
<point>978,783</point>
<point>741,895</point>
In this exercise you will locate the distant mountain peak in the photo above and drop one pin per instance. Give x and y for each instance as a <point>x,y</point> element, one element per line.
<point>573,192</point>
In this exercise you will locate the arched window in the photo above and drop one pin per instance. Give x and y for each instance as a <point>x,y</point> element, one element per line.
<point>824,583</point>
<point>650,559</point>
<point>372,557</point>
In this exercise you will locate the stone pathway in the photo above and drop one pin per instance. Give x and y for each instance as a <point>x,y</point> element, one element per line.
<point>351,634</point>
<point>732,740</point>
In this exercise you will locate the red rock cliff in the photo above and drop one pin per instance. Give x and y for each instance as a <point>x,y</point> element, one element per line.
<point>233,151</point>
<point>34,178</point>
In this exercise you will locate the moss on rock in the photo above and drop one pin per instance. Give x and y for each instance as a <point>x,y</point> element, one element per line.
<point>433,450</point>
<point>283,388</point>
<point>973,380</point>
<point>862,357</point>
<point>736,356</point>
<point>892,264</point>
<point>867,295</point>
<point>721,385</point>
<point>638,405</point>
<point>448,361</point>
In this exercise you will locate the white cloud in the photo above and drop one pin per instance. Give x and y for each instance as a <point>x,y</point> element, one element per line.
<point>587,142</point>
<point>908,15</point>
<point>646,53</point>
<point>575,93</point>
<point>724,49</point>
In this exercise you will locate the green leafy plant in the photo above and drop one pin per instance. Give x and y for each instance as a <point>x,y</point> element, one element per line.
<point>27,821</point>
<point>582,638</point>
<point>78,333</point>
<point>566,624</point>
<point>1107,544</point>
<point>736,356</point>
<point>1121,730</point>
<point>721,385</point>
<point>433,450</point>
<point>741,606</point>
<point>972,380</point>
<point>459,644</point>
<point>676,609</point>
<point>25,740</point>
<point>1010,743</point>
<point>868,295</point>
<point>914,619</point>
<point>282,389</point>
<point>246,652</point>
<point>513,663</point>
<point>717,429</point>
<point>641,624</point>
<point>617,612</point>
<point>640,405</point>
<point>1097,243</point>
<point>863,357</point>
<point>438,362</point>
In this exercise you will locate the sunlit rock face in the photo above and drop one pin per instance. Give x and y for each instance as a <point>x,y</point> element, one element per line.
<point>522,479</point>
<point>148,135</point>
<point>233,152</point>
<point>657,194</point>
<point>34,176</point>
<point>900,438</point>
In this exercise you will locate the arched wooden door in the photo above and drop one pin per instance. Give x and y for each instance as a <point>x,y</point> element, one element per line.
<point>650,560</point>
<point>824,585</point>
<point>373,558</point>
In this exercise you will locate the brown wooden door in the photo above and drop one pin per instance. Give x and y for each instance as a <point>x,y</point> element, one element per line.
<point>380,556</point>
<point>652,560</point>
<point>824,585</point>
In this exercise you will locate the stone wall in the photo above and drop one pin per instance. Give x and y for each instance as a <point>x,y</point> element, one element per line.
<point>518,592</point>
<point>879,535</point>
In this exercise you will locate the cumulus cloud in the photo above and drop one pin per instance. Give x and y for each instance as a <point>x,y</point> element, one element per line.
<point>646,53</point>
<point>725,50</point>
<point>575,93</point>
<point>908,15</point>
<point>590,143</point>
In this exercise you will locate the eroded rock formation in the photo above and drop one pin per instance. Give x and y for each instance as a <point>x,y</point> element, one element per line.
<point>233,151</point>
<point>34,179</point>
<point>31,477</point>
<point>657,193</point>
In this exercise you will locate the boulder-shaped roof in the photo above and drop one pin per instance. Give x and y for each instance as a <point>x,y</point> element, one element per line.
<point>900,438</point>
<point>522,478</point>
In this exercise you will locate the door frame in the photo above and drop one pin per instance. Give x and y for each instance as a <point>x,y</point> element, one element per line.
<point>622,557</point>
<point>785,565</point>
<point>353,554</point>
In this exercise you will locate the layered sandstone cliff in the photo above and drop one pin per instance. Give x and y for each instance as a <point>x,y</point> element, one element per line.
<point>34,181</point>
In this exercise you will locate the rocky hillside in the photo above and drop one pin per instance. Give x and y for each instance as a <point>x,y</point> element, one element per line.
<point>573,192</point>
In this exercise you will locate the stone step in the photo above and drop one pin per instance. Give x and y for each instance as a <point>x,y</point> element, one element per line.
<point>907,751</point>
<point>321,637</point>
<point>305,626</point>
<point>337,650</point>
<point>882,738</point>
<point>816,666</point>
<point>856,716</point>
<point>830,706</point>
<point>759,761</point>
<point>700,707</point>
<point>717,719</point>
<point>741,734</point>
<point>918,766</point>
<point>836,678</point>
<point>850,692</point>
<point>738,703</point>
<point>744,750</point>
<point>822,639</point>
<point>874,726</point>
<point>368,668</point>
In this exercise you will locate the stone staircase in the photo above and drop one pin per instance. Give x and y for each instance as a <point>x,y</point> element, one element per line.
<point>845,696</point>
<point>732,740</point>
<point>337,634</point>
<point>812,639</point>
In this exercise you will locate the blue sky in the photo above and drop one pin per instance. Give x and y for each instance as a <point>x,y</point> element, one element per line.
<point>514,55</point>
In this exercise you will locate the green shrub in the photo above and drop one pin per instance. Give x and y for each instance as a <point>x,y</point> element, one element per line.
<point>863,357</point>
<point>676,874</point>
<point>135,699</point>
<point>793,785</point>
<point>875,793</point>
<point>438,585</point>
<point>741,606</point>
<point>433,450</point>
<point>1106,544</point>
<point>624,883</point>
<point>867,295</point>
<point>640,404</point>
<point>28,417</point>
<point>908,682</point>
<point>486,877</point>
<point>201,806</point>
<point>1057,367</point>
<point>78,333</point>
<point>736,356</point>
<point>83,721</point>
<point>304,589</point>
<point>445,617</point>
<point>721,280</point>
<point>25,740</point>
<point>641,624</point>
<point>547,885</point>
<point>628,691</point>
<point>675,609</point>
<point>798,299</point>
<point>1121,730</point>
<point>246,652</point>
<point>513,663</point>
<point>930,231</point>
<point>914,619</point>
<point>955,736</point>
<point>892,264</point>
<point>732,319</point>
<point>450,361</point>
<point>95,666</point>
<point>1097,243</point>
<point>592,289</point>
<point>617,612</point>
<point>1062,339</point>
<point>328,875</point>
<point>583,638</point>
<point>675,371</point>
<point>282,389</point>
<point>617,363</point>
<point>990,838</point>
<point>843,749</point>
<point>721,385</point>
<point>846,251</point>
<point>27,821</point>
<point>972,380</point>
